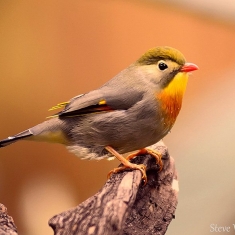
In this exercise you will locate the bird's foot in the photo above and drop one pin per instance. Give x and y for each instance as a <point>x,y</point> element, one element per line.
<point>152,152</point>
<point>132,166</point>
<point>126,165</point>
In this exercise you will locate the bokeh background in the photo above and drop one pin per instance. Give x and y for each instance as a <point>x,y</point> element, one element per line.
<point>53,50</point>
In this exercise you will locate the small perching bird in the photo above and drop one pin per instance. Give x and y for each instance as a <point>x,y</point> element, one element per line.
<point>135,109</point>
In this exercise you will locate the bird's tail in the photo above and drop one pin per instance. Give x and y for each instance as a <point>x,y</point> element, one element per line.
<point>12,139</point>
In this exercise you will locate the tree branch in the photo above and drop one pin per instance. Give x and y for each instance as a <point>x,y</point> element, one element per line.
<point>124,205</point>
<point>7,226</point>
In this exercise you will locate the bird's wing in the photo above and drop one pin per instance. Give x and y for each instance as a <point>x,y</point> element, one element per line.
<point>99,101</point>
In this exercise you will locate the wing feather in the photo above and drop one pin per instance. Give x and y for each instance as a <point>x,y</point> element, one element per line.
<point>105,99</point>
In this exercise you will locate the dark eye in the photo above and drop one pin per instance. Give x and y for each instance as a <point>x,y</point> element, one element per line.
<point>162,66</point>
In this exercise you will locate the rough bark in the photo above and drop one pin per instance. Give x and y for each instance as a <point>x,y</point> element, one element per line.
<point>124,205</point>
<point>7,225</point>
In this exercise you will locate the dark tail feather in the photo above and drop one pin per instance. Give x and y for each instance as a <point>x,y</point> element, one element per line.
<point>15,138</point>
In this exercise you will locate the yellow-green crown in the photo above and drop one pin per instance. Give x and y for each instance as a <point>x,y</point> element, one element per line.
<point>153,55</point>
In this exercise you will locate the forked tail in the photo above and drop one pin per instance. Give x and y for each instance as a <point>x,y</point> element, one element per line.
<point>15,138</point>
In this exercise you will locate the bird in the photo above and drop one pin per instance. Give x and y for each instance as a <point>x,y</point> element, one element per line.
<point>133,110</point>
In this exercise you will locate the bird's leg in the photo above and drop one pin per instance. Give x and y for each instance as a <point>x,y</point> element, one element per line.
<point>126,164</point>
<point>152,152</point>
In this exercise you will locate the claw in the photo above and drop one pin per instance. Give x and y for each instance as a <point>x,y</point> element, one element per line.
<point>129,165</point>
<point>157,156</point>
<point>152,152</point>
<point>140,167</point>
<point>143,170</point>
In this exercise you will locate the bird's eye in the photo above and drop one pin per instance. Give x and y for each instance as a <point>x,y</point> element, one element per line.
<point>162,66</point>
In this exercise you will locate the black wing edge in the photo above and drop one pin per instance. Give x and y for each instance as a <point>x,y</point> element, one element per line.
<point>12,139</point>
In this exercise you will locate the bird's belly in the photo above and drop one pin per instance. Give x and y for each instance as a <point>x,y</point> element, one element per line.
<point>125,133</point>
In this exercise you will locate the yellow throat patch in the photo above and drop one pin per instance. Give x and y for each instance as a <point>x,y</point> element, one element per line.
<point>171,97</point>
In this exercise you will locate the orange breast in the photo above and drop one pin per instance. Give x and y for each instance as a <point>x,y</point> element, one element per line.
<point>170,98</point>
<point>170,107</point>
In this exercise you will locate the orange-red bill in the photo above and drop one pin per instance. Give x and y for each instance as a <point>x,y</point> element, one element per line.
<point>189,67</point>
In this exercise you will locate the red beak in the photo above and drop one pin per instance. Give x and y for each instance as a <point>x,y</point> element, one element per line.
<point>189,67</point>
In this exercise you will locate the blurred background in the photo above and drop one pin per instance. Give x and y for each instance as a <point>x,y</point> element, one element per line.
<point>53,50</point>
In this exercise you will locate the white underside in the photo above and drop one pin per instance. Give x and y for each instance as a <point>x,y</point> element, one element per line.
<point>85,153</point>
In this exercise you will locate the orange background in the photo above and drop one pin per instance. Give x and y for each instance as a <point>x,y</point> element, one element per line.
<point>53,50</point>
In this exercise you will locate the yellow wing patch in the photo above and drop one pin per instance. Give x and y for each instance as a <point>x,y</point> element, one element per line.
<point>53,116</point>
<point>102,102</point>
<point>58,106</point>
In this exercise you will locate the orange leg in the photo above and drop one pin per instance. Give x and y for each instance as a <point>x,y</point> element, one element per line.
<point>126,164</point>
<point>153,153</point>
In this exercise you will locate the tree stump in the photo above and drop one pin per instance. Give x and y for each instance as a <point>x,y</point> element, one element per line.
<point>124,205</point>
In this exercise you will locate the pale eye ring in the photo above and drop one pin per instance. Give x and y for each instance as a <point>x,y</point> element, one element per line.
<point>162,66</point>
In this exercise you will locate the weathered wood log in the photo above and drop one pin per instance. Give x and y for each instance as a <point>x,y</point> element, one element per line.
<point>124,205</point>
<point>7,225</point>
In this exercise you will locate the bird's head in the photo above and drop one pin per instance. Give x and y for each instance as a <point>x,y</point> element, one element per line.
<point>167,69</point>
<point>164,63</point>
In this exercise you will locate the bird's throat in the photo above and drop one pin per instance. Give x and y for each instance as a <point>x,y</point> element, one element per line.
<point>171,98</point>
